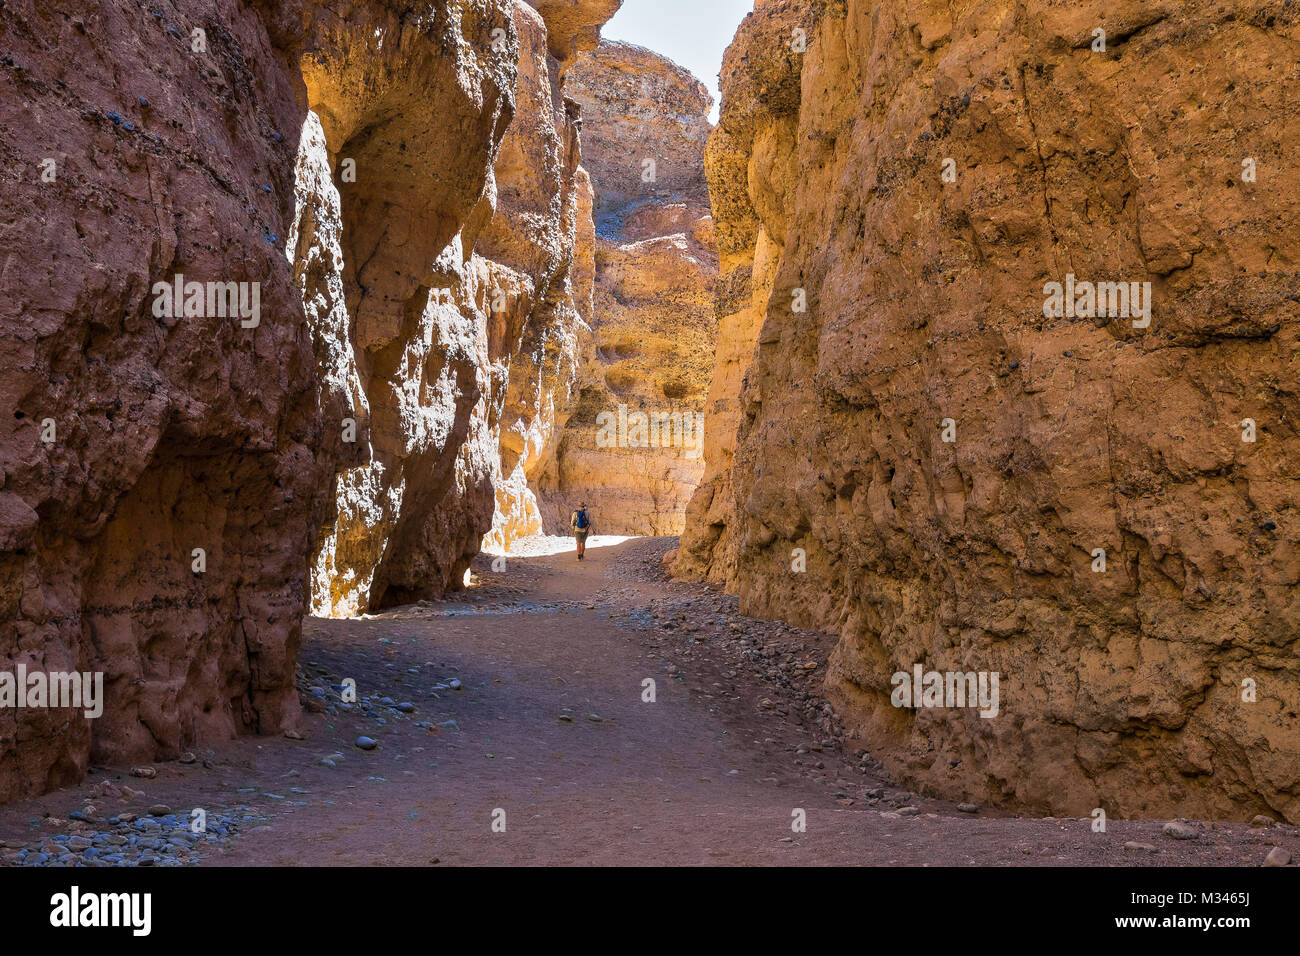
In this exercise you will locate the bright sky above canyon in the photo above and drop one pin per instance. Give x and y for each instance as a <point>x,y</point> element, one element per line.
<point>693,33</point>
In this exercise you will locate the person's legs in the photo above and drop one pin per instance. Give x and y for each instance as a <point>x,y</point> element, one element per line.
<point>580,530</point>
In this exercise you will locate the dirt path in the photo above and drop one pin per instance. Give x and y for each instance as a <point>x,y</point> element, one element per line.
<point>525,695</point>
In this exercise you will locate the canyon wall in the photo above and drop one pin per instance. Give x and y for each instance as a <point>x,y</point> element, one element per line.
<point>395,183</point>
<point>467,381</point>
<point>163,473</point>
<point>177,476</point>
<point>932,460</point>
<point>750,165</point>
<point>538,247</point>
<point>645,124</point>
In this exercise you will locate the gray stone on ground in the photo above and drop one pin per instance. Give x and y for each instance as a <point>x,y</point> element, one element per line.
<point>1180,830</point>
<point>1277,857</point>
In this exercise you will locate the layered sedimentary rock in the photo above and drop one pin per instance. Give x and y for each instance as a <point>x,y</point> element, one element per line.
<point>949,455</point>
<point>632,448</point>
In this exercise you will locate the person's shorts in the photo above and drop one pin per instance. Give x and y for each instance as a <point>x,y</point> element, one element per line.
<point>580,535</point>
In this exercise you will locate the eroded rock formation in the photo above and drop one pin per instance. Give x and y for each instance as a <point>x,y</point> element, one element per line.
<point>469,333</point>
<point>750,164</point>
<point>537,244</point>
<point>395,182</point>
<point>162,472</point>
<point>1167,683</point>
<point>645,123</point>
<point>169,473</point>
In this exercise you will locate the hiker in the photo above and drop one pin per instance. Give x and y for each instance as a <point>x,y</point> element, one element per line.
<point>581,525</point>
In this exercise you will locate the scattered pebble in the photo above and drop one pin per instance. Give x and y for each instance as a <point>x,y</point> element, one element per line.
<point>131,839</point>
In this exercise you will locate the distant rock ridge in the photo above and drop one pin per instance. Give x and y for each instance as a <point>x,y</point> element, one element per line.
<point>645,125</point>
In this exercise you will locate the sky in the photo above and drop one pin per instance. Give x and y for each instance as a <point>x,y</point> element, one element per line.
<point>693,33</point>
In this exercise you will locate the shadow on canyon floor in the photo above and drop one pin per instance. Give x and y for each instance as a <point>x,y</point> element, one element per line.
<point>524,694</point>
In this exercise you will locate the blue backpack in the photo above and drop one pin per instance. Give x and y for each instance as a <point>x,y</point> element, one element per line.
<point>580,519</point>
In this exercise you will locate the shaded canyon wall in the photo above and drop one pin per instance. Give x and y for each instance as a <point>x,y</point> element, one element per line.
<point>163,473</point>
<point>171,481</point>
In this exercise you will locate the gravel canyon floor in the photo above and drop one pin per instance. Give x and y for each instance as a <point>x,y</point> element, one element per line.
<point>524,694</point>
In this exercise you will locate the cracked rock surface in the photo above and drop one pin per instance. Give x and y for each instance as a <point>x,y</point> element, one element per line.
<point>1167,683</point>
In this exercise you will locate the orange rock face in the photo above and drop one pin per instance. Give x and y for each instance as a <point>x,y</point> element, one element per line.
<point>751,172</point>
<point>537,244</point>
<point>936,460</point>
<point>395,183</point>
<point>465,382</point>
<point>573,26</point>
<point>632,448</point>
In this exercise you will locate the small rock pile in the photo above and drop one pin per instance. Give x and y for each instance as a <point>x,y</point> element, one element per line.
<point>157,837</point>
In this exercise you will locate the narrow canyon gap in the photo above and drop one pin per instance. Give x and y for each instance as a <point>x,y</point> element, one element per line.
<point>464,260</point>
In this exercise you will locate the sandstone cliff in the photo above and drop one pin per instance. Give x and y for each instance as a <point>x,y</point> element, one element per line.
<point>467,381</point>
<point>645,123</point>
<point>750,164</point>
<point>170,475</point>
<point>395,181</point>
<point>1166,683</point>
